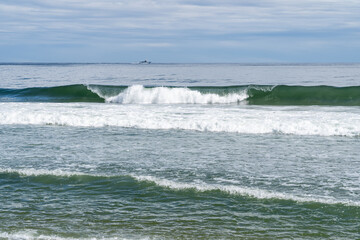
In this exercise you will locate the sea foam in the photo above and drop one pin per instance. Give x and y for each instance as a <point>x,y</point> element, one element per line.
<point>32,234</point>
<point>44,172</point>
<point>320,121</point>
<point>138,94</point>
<point>196,186</point>
<point>243,191</point>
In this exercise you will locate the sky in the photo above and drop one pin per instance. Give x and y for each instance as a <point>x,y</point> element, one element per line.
<point>180,31</point>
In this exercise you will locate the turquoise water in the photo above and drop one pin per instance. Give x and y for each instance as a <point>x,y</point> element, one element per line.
<point>178,163</point>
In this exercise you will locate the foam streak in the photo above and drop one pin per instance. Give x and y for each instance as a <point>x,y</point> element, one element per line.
<point>199,187</point>
<point>242,191</point>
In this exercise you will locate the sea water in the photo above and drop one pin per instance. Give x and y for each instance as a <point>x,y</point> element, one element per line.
<point>179,151</point>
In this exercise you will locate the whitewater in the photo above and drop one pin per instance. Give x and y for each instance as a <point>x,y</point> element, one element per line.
<point>323,121</point>
<point>162,95</point>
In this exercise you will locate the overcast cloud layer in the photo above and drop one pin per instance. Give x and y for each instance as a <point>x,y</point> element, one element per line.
<point>180,31</point>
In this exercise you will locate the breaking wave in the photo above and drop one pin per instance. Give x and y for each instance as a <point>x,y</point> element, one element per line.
<point>164,95</point>
<point>138,94</point>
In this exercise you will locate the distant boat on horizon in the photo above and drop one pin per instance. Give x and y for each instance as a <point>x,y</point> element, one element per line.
<point>144,62</point>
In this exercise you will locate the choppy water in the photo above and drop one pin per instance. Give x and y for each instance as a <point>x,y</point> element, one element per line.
<point>227,151</point>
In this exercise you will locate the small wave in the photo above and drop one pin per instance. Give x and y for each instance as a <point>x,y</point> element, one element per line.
<point>32,234</point>
<point>242,191</point>
<point>180,186</point>
<point>43,172</point>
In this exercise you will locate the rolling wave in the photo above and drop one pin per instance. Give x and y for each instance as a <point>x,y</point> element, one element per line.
<point>137,94</point>
<point>70,93</point>
<point>57,177</point>
<point>242,191</point>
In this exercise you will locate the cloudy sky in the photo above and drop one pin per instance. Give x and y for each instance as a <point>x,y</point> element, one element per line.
<point>243,31</point>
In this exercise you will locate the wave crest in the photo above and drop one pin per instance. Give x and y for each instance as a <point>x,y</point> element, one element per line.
<point>42,172</point>
<point>181,186</point>
<point>137,94</point>
<point>242,191</point>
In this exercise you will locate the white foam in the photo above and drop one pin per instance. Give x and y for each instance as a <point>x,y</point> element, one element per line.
<point>137,94</point>
<point>243,191</point>
<point>198,186</point>
<point>41,172</point>
<point>31,235</point>
<point>323,121</point>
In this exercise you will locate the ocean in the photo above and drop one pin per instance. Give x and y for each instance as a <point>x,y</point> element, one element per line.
<point>179,151</point>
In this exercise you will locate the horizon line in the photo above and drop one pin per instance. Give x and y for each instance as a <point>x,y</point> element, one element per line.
<point>170,63</point>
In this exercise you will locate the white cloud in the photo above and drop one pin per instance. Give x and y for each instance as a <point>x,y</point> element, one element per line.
<point>160,15</point>
<point>170,23</point>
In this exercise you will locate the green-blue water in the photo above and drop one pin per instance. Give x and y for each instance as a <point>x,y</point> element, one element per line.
<point>256,94</point>
<point>219,159</point>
